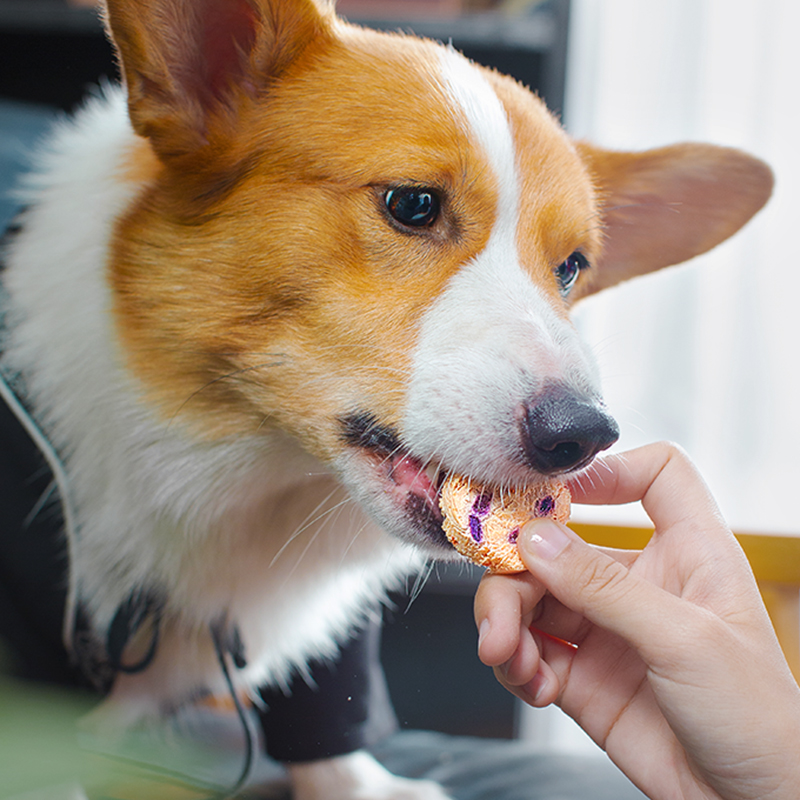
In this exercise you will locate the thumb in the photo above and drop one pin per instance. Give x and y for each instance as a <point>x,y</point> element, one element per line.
<point>595,585</point>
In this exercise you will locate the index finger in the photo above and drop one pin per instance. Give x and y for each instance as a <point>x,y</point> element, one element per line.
<point>659,475</point>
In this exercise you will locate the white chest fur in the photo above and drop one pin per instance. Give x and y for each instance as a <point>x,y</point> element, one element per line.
<point>251,530</point>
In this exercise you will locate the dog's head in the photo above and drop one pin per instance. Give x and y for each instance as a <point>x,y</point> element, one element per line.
<point>371,243</point>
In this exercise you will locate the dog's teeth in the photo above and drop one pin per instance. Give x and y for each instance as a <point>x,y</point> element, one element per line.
<point>432,471</point>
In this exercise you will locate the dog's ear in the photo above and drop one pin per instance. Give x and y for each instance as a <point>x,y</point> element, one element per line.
<point>190,65</point>
<point>665,206</point>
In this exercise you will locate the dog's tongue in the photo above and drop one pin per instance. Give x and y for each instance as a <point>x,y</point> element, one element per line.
<point>410,475</point>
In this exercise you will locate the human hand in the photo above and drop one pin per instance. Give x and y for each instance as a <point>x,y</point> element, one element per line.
<point>665,657</point>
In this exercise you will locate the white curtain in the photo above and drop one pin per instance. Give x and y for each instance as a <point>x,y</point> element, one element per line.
<point>704,354</point>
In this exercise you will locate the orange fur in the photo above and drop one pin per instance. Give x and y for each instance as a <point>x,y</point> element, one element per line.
<point>234,321</point>
<point>140,165</point>
<point>291,316</point>
<point>558,200</point>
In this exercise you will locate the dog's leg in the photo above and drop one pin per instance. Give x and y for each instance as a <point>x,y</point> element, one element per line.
<point>322,725</point>
<point>357,776</point>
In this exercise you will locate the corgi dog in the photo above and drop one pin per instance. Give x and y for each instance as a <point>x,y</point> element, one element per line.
<point>269,292</point>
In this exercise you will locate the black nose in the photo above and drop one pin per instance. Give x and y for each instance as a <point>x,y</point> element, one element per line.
<point>562,432</point>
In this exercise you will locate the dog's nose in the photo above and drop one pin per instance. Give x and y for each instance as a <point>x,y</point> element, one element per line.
<point>562,431</point>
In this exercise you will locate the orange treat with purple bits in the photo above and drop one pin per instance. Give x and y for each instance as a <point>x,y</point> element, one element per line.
<point>483,524</point>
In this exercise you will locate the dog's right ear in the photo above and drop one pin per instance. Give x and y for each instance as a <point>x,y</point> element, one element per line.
<point>190,66</point>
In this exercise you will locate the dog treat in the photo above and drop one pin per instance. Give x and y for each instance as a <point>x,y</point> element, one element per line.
<point>483,524</point>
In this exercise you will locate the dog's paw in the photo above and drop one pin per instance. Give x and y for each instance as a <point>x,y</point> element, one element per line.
<point>357,776</point>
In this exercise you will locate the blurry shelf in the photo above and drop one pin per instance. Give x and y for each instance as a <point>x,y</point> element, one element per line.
<point>537,31</point>
<point>48,16</point>
<point>50,52</point>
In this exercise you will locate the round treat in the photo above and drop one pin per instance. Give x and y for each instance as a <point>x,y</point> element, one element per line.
<point>483,524</point>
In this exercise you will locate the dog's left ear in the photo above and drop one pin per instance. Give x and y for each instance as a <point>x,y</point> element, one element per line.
<point>662,207</point>
<point>191,66</point>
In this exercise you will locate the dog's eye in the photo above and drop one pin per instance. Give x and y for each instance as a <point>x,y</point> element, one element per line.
<point>413,207</point>
<point>567,272</point>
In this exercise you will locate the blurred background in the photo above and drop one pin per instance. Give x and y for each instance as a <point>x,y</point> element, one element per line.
<point>704,354</point>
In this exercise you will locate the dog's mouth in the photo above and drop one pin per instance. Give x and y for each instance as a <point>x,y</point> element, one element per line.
<point>559,435</point>
<point>410,484</point>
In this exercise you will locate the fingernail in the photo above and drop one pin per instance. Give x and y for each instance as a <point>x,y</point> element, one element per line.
<point>543,538</point>
<point>483,631</point>
<point>536,686</point>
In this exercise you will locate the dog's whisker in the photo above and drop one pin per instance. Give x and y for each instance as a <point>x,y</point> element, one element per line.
<point>264,420</point>
<point>352,540</point>
<point>420,580</point>
<point>219,379</point>
<point>291,571</point>
<point>327,517</point>
<point>312,519</point>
